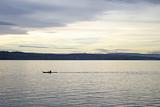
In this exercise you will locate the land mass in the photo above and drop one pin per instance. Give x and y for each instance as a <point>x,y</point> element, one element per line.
<point>5,55</point>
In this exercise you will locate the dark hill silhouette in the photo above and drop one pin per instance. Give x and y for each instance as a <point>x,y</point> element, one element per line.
<point>5,55</point>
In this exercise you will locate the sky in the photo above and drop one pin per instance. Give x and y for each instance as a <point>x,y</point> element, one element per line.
<point>80,26</point>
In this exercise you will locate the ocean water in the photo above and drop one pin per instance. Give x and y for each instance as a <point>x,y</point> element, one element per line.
<point>80,84</point>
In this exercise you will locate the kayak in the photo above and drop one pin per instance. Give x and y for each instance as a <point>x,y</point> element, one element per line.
<point>49,72</point>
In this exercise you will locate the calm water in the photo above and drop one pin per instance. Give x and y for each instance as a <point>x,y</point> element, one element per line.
<point>80,84</point>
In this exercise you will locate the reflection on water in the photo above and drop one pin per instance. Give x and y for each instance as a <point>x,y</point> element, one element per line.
<point>79,83</point>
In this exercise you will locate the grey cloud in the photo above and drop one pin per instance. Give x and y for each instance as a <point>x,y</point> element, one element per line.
<point>54,13</point>
<point>123,50</point>
<point>152,1</point>
<point>135,1</point>
<point>103,50</point>
<point>35,14</point>
<point>6,23</point>
<point>41,46</point>
<point>31,46</point>
<point>114,51</point>
<point>11,29</point>
<point>155,52</point>
<point>64,48</point>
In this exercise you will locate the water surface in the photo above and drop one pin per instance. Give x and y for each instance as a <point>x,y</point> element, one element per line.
<point>79,83</point>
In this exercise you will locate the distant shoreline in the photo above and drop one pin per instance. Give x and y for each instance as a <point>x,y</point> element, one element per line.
<point>5,55</point>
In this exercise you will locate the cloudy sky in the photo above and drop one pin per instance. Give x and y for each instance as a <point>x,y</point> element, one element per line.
<point>85,26</point>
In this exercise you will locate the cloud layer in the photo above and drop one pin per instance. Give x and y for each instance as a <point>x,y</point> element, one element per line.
<point>17,16</point>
